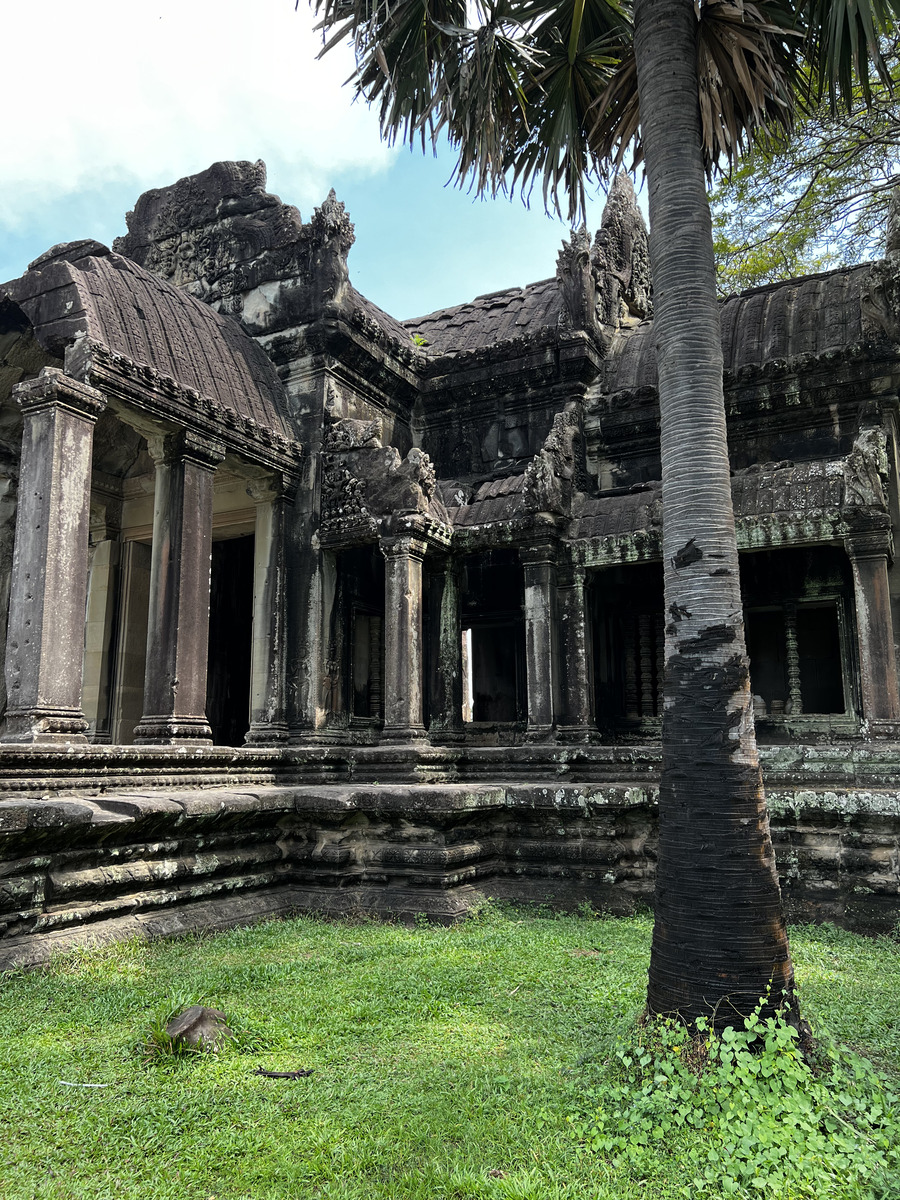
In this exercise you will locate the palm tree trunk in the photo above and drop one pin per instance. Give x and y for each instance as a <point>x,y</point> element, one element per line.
<point>719,936</point>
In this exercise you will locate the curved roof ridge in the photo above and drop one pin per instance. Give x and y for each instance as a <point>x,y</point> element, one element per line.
<point>143,318</point>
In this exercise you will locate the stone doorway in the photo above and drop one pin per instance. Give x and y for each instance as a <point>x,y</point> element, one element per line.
<point>230,640</point>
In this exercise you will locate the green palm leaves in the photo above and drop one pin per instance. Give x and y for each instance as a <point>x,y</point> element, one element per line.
<point>544,92</point>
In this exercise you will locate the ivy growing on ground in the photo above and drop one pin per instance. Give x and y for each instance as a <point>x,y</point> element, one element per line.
<point>743,1113</point>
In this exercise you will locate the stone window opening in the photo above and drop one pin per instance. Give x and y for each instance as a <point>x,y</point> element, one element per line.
<point>797,659</point>
<point>357,640</point>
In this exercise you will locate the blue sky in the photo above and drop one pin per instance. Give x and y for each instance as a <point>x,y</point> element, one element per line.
<point>112,99</point>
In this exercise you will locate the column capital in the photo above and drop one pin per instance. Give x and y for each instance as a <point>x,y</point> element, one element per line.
<point>267,488</point>
<point>186,445</point>
<point>542,553</point>
<point>403,547</point>
<point>874,543</point>
<point>571,575</point>
<point>53,388</point>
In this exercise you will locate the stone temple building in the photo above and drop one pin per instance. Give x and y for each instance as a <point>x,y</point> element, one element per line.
<point>307,607</point>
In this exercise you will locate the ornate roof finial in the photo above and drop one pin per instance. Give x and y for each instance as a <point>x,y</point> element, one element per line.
<point>621,258</point>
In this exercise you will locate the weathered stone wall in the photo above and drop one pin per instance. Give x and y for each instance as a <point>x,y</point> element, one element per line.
<point>158,862</point>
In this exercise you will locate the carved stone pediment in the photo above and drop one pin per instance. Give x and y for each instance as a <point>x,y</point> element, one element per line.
<point>866,471</point>
<point>365,482</point>
<point>549,482</point>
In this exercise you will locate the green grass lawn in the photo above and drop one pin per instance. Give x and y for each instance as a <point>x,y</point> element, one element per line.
<point>447,1063</point>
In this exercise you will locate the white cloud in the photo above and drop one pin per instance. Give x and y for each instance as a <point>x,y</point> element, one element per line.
<point>101,92</point>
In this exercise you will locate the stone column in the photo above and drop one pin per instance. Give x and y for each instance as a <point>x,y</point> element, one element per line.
<point>576,654</point>
<point>869,554</point>
<point>268,717</point>
<point>541,658</point>
<point>99,638</point>
<point>178,622</point>
<point>446,675</point>
<point>403,638</point>
<point>45,640</point>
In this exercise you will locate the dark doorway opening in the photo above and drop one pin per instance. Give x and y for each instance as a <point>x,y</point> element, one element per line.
<point>359,622</point>
<point>628,640</point>
<point>493,624</point>
<point>230,640</point>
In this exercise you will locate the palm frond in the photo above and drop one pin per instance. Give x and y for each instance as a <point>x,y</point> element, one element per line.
<point>843,45</point>
<point>748,66</point>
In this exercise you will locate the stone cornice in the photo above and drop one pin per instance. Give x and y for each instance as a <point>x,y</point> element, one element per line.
<point>162,396</point>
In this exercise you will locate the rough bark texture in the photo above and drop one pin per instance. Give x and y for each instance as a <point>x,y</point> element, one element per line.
<point>719,937</point>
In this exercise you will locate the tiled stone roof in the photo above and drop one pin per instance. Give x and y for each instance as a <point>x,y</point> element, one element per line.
<point>496,317</point>
<point>495,501</point>
<point>391,326</point>
<point>806,316</point>
<point>775,489</point>
<point>82,288</point>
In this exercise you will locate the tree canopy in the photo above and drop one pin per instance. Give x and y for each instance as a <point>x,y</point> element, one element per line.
<point>815,200</point>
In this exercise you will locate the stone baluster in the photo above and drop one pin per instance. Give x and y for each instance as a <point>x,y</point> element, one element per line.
<point>869,554</point>
<point>577,723</point>
<point>268,673</point>
<point>792,658</point>
<point>45,639</point>
<point>632,696</point>
<point>541,658</point>
<point>446,675</point>
<point>403,638</point>
<point>178,622</point>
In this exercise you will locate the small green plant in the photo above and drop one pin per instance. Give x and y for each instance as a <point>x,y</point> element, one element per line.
<point>419,340</point>
<point>742,1113</point>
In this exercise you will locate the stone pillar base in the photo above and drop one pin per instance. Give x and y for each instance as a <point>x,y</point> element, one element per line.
<point>540,733</point>
<point>266,733</point>
<point>168,731</point>
<point>53,726</point>
<point>446,737</point>
<point>403,733</point>
<point>576,734</point>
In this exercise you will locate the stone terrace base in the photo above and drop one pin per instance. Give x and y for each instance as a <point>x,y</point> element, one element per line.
<point>79,864</point>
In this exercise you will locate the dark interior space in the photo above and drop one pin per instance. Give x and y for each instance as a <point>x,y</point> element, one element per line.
<point>819,645</point>
<point>492,598</point>
<point>361,602</point>
<point>627,608</point>
<point>796,603</point>
<point>230,640</point>
<point>767,649</point>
